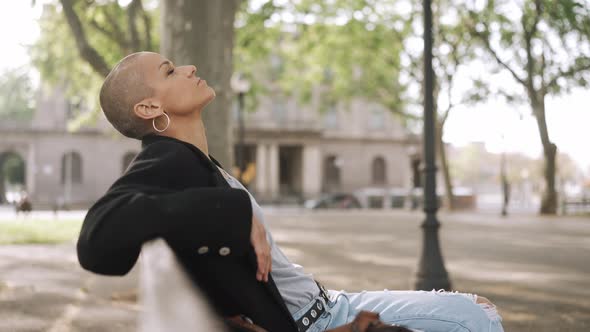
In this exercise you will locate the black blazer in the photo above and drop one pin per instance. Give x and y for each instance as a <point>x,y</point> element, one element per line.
<point>172,190</point>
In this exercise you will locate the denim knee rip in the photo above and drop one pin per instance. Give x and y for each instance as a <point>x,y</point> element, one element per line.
<point>490,310</point>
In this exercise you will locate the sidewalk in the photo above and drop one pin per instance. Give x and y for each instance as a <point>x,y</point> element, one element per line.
<point>535,269</point>
<point>42,288</point>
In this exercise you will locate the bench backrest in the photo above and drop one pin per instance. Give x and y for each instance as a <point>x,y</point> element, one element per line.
<point>168,298</point>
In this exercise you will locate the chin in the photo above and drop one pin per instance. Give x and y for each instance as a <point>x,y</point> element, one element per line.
<point>207,99</point>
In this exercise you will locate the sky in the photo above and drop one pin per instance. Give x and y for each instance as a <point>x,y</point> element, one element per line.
<point>494,123</point>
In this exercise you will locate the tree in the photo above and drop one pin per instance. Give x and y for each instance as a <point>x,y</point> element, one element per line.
<point>17,102</point>
<point>105,31</point>
<point>569,173</point>
<point>343,49</point>
<point>202,32</point>
<point>357,48</point>
<point>101,32</point>
<point>544,46</point>
<point>17,95</point>
<point>451,51</point>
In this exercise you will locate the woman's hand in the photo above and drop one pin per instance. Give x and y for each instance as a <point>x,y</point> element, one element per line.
<point>366,321</point>
<point>262,250</point>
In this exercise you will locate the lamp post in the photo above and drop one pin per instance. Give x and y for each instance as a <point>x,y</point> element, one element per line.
<point>241,86</point>
<point>431,272</point>
<point>505,185</point>
<point>69,159</point>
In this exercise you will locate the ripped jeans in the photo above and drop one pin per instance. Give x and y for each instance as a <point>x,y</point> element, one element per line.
<point>417,310</point>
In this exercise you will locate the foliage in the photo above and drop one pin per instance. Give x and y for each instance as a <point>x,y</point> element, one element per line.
<point>106,26</point>
<point>256,40</point>
<point>543,44</point>
<point>17,95</point>
<point>107,29</point>
<point>568,170</point>
<point>344,49</point>
<point>355,57</point>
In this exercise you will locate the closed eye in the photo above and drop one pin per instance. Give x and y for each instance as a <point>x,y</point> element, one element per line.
<point>170,71</point>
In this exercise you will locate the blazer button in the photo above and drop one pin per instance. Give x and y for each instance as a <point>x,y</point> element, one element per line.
<point>224,251</point>
<point>203,250</point>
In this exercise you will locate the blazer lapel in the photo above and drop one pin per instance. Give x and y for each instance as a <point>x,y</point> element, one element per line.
<point>274,291</point>
<point>271,287</point>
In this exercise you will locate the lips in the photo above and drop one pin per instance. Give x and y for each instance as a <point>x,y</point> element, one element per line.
<point>198,80</point>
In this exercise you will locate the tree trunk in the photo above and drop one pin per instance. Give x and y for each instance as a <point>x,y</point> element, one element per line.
<point>505,185</point>
<point>201,32</point>
<point>440,120</point>
<point>2,188</point>
<point>87,52</point>
<point>444,164</point>
<point>549,199</point>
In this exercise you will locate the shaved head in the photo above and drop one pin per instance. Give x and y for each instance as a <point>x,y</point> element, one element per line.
<point>124,87</point>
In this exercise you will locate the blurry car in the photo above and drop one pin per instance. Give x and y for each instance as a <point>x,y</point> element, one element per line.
<point>334,201</point>
<point>390,198</point>
<point>383,198</point>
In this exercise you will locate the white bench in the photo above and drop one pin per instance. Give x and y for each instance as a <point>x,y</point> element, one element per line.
<point>168,298</point>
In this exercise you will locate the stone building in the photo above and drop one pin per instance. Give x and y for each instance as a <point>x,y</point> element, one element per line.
<point>292,152</point>
<point>62,168</point>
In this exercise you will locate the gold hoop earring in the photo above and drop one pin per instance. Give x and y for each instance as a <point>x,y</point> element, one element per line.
<point>167,125</point>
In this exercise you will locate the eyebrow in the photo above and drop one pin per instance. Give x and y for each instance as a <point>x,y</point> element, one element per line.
<point>165,62</point>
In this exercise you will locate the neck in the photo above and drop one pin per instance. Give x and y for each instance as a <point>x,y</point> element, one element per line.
<point>190,129</point>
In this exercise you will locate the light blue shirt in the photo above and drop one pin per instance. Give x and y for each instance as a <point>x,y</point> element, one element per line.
<point>296,287</point>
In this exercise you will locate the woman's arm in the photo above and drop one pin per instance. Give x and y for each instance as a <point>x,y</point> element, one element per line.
<point>131,213</point>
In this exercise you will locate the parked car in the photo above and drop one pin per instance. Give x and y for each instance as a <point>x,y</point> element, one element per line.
<point>384,198</point>
<point>388,198</point>
<point>392,198</point>
<point>334,201</point>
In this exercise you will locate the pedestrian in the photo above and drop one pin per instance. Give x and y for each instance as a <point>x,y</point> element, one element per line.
<point>174,189</point>
<point>24,204</point>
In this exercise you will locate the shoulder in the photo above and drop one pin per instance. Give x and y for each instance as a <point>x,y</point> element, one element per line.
<point>162,150</point>
<point>167,164</point>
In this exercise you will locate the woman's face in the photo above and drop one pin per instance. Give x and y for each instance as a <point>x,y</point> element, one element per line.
<point>178,89</point>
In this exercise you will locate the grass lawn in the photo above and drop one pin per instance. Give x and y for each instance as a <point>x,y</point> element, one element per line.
<point>29,231</point>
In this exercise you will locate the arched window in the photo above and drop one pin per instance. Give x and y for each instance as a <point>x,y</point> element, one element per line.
<point>332,173</point>
<point>12,176</point>
<point>127,159</point>
<point>71,167</point>
<point>12,168</point>
<point>379,171</point>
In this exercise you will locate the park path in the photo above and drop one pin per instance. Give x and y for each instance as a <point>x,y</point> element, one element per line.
<point>537,270</point>
<point>42,288</point>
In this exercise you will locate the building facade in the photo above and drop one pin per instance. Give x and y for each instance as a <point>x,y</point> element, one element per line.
<point>291,152</point>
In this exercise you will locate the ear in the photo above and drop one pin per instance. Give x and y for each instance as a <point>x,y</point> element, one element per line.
<point>148,109</point>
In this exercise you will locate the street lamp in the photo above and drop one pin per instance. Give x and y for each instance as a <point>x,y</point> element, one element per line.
<point>505,185</point>
<point>431,272</point>
<point>241,86</point>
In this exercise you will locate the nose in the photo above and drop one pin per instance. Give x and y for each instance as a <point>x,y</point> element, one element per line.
<point>192,70</point>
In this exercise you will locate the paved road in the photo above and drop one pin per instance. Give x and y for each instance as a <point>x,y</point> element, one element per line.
<point>537,270</point>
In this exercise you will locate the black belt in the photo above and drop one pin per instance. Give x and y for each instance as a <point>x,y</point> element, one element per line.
<point>315,311</point>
